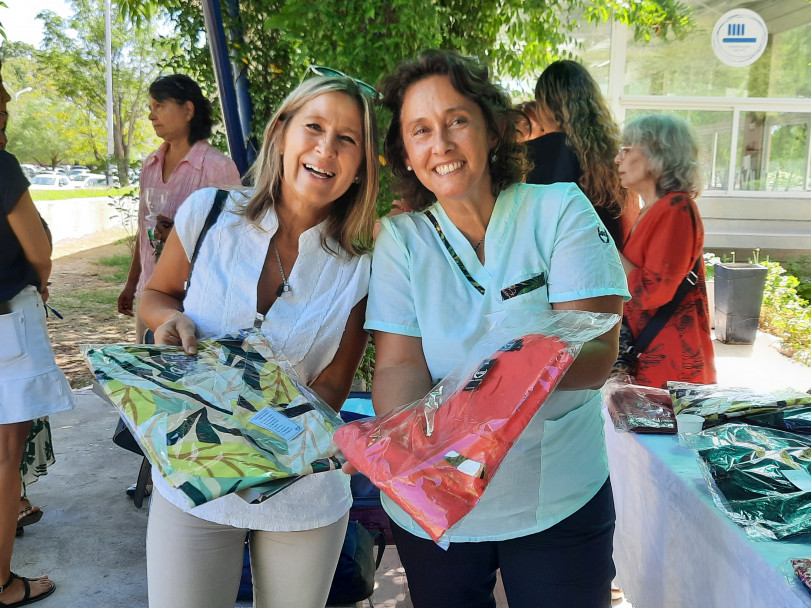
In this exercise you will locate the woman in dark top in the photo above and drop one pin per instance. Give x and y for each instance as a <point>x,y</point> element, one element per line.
<point>30,383</point>
<point>580,143</point>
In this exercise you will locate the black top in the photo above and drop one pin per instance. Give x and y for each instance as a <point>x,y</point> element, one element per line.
<point>556,162</point>
<point>15,271</point>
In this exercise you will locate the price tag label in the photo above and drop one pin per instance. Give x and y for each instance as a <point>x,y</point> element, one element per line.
<point>277,423</point>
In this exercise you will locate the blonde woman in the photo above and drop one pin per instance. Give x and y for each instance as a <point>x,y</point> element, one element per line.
<point>288,255</point>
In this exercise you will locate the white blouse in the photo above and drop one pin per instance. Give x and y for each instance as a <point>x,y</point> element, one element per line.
<point>305,324</point>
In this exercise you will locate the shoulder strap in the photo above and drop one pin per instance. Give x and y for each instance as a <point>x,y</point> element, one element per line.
<point>664,313</point>
<point>211,219</point>
<point>453,253</point>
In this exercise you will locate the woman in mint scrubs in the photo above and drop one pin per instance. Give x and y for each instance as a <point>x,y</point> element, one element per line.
<point>479,241</point>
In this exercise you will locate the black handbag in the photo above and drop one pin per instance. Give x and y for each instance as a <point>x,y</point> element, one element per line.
<point>354,579</point>
<point>630,349</point>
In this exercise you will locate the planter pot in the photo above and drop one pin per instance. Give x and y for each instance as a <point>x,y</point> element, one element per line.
<point>738,297</point>
<point>710,284</point>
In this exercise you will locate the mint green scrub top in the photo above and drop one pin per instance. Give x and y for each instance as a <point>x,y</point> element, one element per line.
<point>543,244</point>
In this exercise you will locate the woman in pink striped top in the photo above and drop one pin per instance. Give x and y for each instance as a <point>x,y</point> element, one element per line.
<point>184,163</point>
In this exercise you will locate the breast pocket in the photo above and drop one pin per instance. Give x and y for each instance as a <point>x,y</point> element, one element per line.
<point>12,337</point>
<point>530,282</point>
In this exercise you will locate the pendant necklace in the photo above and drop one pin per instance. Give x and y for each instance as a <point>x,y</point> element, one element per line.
<point>285,286</point>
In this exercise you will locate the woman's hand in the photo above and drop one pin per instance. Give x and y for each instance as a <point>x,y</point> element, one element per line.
<point>178,330</point>
<point>126,299</point>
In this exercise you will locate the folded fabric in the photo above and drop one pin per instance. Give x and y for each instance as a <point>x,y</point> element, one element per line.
<point>719,404</point>
<point>641,409</point>
<point>760,477</point>
<point>226,419</point>
<point>802,568</point>
<point>435,458</point>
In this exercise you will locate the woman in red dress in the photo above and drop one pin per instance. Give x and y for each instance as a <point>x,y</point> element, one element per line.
<point>658,160</point>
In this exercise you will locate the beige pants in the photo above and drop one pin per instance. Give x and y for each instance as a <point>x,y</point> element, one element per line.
<point>195,563</point>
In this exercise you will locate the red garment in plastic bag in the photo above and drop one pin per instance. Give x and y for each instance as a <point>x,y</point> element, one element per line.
<point>435,462</point>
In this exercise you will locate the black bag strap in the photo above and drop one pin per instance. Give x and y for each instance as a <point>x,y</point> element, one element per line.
<point>211,219</point>
<point>380,541</point>
<point>664,313</point>
<point>454,255</point>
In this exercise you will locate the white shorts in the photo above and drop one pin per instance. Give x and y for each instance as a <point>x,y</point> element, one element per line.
<point>31,385</point>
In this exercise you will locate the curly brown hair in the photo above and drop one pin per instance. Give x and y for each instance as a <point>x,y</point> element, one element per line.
<point>472,80</point>
<point>571,98</point>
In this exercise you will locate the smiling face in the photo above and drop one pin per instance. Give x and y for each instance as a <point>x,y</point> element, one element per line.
<point>171,119</point>
<point>322,150</point>
<point>446,141</point>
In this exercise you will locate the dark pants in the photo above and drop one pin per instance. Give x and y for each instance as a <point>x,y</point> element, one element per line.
<point>569,564</point>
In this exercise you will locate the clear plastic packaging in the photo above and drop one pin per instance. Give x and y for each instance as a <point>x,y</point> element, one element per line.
<point>759,477</point>
<point>719,404</point>
<point>435,457</point>
<point>232,418</point>
<point>640,409</point>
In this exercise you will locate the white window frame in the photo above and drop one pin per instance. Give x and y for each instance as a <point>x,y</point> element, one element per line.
<point>621,103</point>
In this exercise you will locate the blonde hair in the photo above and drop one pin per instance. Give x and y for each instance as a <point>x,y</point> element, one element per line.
<point>570,97</point>
<point>351,216</point>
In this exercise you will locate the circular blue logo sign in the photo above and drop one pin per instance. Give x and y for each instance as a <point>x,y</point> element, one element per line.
<point>739,37</point>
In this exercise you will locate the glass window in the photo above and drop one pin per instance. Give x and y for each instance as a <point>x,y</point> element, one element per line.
<point>690,68</point>
<point>773,152</point>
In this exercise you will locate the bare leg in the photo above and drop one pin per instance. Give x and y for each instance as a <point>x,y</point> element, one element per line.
<point>12,440</point>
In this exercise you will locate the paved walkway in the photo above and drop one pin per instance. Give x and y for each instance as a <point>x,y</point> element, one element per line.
<point>91,539</point>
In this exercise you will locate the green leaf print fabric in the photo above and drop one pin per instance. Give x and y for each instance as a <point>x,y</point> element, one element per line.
<point>192,414</point>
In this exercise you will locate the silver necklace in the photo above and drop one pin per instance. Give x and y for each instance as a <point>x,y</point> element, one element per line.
<point>285,286</point>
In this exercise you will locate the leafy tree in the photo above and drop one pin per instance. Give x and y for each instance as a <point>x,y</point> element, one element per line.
<point>366,38</point>
<point>76,66</point>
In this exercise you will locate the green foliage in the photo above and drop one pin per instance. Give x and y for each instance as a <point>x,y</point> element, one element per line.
<point>801,268</point>
<point>710,260</point>
<point>367,38</point>
<point>785,314</point>
<point>73,58</point>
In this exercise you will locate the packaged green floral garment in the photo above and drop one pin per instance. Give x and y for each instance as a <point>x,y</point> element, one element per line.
<point>225,420</point>
<point>719,404</point>
<point>760,477</point>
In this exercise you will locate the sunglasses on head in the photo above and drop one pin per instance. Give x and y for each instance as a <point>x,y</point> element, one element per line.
<point>322,70</point>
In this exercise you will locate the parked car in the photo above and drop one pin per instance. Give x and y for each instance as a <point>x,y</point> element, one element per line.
<point>92,180</point>
<point>49,181</point>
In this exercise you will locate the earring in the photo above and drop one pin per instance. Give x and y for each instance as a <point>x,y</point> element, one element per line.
<point>493,158</point>
<point>408,167</point>
<point>357,179</point>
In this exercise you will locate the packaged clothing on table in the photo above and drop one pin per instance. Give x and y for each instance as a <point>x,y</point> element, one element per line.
<point>435,458</point>
<point>31,385</point>
<point>641,409</point>
<point>760,477</point>
<point>786,409</point>
<point>802,568</point>
<point>232,418</point>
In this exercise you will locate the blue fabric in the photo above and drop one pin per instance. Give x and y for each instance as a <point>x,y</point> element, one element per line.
<point>551,238</point>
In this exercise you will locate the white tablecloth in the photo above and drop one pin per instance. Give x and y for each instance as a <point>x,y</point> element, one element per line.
<point>674,548</point>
